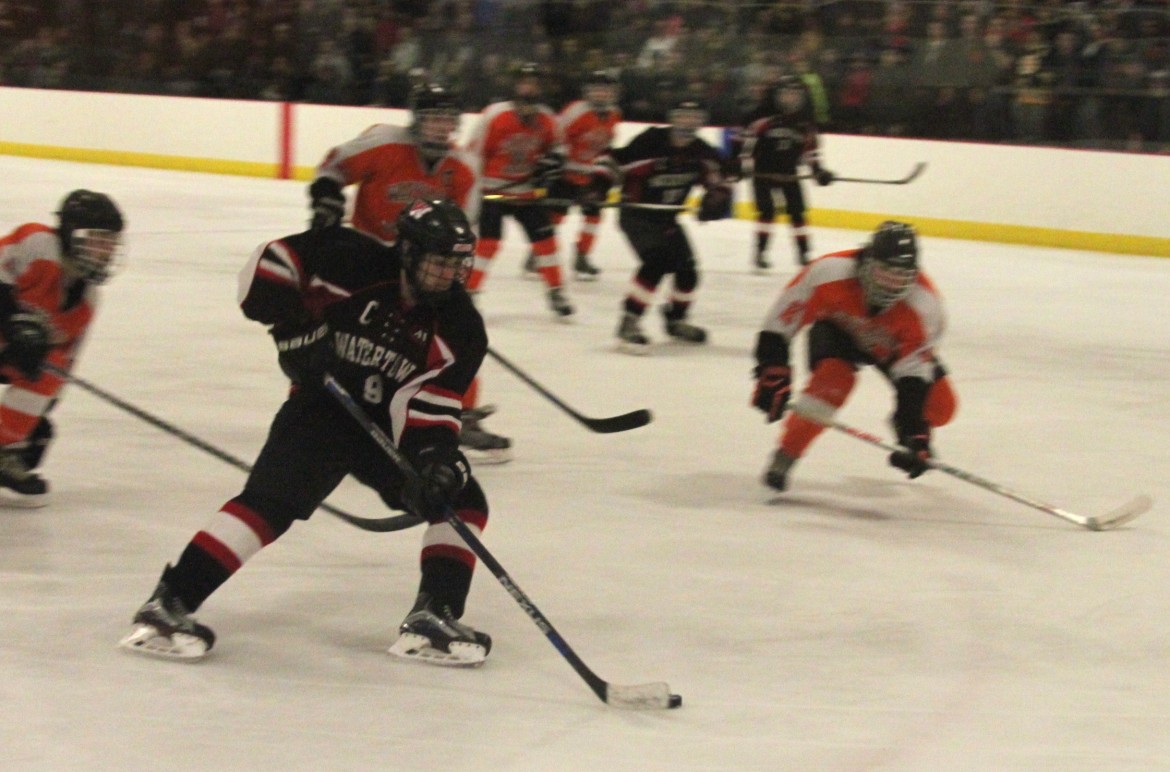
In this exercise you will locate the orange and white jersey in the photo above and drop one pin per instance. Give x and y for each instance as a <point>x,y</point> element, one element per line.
<point>30,262</point>
<point>508,146</point>
<point>901,338</point>
<point>587,134</point>
<point>385,163</point>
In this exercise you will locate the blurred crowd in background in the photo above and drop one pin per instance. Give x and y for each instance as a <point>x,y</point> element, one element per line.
<point>1086,74</point>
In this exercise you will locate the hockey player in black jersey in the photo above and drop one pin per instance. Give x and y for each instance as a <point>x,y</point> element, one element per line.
<point>658,168</point>
<point>396,328</point>
<point>778,136</point>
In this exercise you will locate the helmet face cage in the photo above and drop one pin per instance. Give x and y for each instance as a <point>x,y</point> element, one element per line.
<point>433,275</point>
<point>435,118</point>
<point>686,120</point>
<point>600,90</point>
<point>94,253</point>
<point>889,266</point>
<point>90,231</point>
<point>438,247</point>
<point>790,94</point>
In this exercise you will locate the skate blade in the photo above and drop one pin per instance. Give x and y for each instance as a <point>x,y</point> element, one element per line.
<point>479,457</point>
<point>417,648</point>
<point>10,499</point>
<point>581,276</point>
<point>634,349</point>
<point>145,639</point>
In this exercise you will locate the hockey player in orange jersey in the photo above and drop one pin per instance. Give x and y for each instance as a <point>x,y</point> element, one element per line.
<point>392,166</point>
<point>588,126</point>
<point>47,301</point>
<point>521,151</point>
<point>867,306</point>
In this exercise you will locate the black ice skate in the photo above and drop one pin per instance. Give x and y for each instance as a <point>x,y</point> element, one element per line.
<point>802,257</point>
<point>19,486</point>
<point>531,271</point>
<point>681,329</point>
<point>479,445</point>
<point>760,261</point>
<point>560,304</point>
<point>776,475</point>
<point>629,332</point>
<point>164,628</point>
<point>431,633</point>
<point>585,270</point>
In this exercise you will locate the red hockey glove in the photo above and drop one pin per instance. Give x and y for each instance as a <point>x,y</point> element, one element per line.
<point>773,387</point>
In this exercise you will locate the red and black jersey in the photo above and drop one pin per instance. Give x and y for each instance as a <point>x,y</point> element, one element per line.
<point>408,364</point>
<point>655,171</point>
<point>776,143</point>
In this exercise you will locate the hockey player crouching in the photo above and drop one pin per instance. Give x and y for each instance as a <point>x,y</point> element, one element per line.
<point>658,168</point>
<point>395,327</point>
<point>47,300</point>
<point>867,306</point>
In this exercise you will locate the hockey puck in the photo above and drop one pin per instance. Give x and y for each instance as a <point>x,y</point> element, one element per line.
<point>675,701</point>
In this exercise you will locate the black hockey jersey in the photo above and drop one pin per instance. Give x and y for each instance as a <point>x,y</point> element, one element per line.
<point>778,141</point>
<point>655,171</point>
<point>407,364</point>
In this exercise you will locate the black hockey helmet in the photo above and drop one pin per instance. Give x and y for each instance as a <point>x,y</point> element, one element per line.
<point>437,247</point>
<point>90,230</point>
<point>790,93</point>
<point>527,84</point>
<point>600,89</point>
<point>889,264</point>
<point>435,114</point>
<point>686,118</point>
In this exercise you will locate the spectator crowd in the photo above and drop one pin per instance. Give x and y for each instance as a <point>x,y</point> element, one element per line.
<point>1090,74</point>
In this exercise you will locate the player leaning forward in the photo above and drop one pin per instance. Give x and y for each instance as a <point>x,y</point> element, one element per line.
<point>867,306</point>
<point>48,297</point>
<point>396,328</point>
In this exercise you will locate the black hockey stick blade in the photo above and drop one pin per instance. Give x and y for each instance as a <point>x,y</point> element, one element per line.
<point>376,525</point>
<point>607,425</point>
<point>913,175</point>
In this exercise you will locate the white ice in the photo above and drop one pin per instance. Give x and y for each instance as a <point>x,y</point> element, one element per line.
<point>860,621</point>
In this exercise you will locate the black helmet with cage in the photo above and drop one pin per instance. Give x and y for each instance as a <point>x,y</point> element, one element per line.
<point>435,114</point>
<point>527,86</point>
<point>889,265</point>
<point>791,94</point>
<point>437,247</point>
<point>685,119</point>
<point>600,90</point>
<point>90,230</point>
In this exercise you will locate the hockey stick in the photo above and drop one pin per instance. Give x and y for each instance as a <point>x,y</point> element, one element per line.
<point>607,425</point>
<point>638,696</point>
<point>378,525</point>
<point>567,202</point>
<point>1117,517</point>
<point>913,175</point>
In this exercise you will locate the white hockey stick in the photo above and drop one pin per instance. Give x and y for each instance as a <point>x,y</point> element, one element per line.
<point>1123,514</point>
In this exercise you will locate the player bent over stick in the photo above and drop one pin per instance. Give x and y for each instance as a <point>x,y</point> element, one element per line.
<point>867,306</point>
<point>394,326</point>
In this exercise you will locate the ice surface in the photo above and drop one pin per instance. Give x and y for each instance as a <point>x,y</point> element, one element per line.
<point>860,621</point>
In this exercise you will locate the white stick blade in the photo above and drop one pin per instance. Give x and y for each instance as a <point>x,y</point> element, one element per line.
<point>655,696</point>
<point>1123,514</point>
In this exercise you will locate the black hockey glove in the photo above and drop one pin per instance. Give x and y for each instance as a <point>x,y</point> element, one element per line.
<point>773,387</point>
<point>915,459</point>
<point>548,170</point>
<point>442,473</point>
<point>27,339</point>
<point>596,191</point>
<point>302,350</point>
<point>823,176</point>
<point>716,204</point>
<point>328,204</point>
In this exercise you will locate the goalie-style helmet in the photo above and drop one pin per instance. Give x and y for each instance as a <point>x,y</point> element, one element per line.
<point>686,118</point>
<point>435,118</point>
<point>90,230</point>
<point>437,247</point>
<point>889,265</point>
